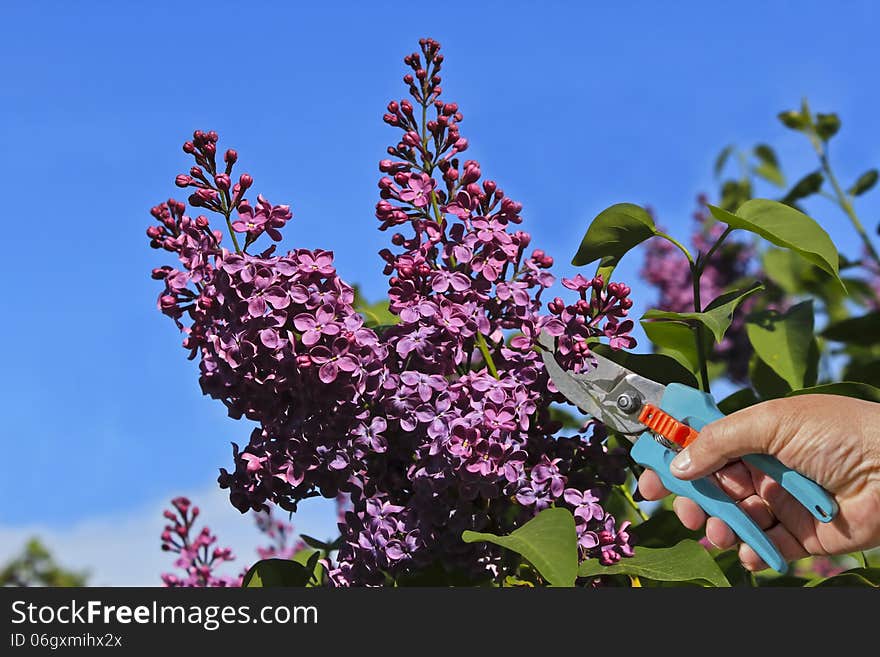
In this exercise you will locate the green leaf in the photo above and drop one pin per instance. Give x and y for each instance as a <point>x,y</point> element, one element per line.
<point>865,182</point>
<point>277,573</point>
<point>613,232</point>
<point>676,340</point>
<point>864,330</point>
<point>377,314</point>
<point>734,193</point>
<point>869,577</point>
<point>861,371</point>
<point>663,529</point>
<point>716,317</point>
<point>793,119</point>
<point>785,342</point>
<point>768,169</point>
<point>315,543</point>
<point>766,382</point>
<point>657,367</point>
<point>548,541</point>
<point>687,561</point>
<point>842,388</point>
<point>605,268</point>
<point>806,186</point>
<point>827,125</point>
<point>565,418</point>
<point>786,227</point>
<point>722,158</point>
<point>737,401</point>
<point>729,563</point>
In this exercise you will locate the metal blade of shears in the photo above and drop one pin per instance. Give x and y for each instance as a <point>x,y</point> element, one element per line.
<point>609,392</point>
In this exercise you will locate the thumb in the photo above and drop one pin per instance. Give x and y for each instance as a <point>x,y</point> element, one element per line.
<point>752,430</point>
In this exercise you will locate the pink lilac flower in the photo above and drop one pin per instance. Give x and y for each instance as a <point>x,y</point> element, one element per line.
<point>436,424</point>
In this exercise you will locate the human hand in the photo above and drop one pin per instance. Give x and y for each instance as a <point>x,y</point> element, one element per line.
<point>833,440</point>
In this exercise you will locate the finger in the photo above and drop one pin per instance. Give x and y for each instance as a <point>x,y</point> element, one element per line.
<point>689,513</point>
<point>791,514</point>
<point>788,546</point>
<point>736,480</point>
<point>651,487</point>
<point>722,536</point>
<point>755,429</point>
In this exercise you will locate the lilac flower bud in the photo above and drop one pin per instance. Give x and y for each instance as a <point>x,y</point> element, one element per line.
<point>391,119</point>
<point>183,181</point>
<point>471,174</point>
<point>201,222</point>
<point>408,78</point>
<point>231,156</point>
<point>597,283</point>
<point>222,181</point>
<point>407,107</point>
<point>154,232</point>
<point>245,181</point>
<point>189,147</point>
<point>412,139</point>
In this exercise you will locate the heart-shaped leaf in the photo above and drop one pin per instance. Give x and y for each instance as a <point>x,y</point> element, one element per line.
<point>676,340</point>
<point>869,577</point>
<point>842,388</point>
<point>277,573</point>
<point>717,315</point>
<point>657,367</point>
<point>613,232</point>
<point>785,342</point>
<point>548,541</point>
<point>784,226</point>
<point>864,330</point>
<point>687,561</point>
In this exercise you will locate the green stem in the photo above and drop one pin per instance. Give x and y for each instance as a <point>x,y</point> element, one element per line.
<point>715,246</point>
<point>227,211</point>
<point>484,349</point>
<point>632,502</point>
<point>696,273</point>
<point>845,203</point>
<point>679,245</point>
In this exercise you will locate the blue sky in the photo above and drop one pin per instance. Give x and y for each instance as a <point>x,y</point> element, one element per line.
<point>569,106</point>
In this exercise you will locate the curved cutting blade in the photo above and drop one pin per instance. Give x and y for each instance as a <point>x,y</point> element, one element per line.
<point>596,391</point>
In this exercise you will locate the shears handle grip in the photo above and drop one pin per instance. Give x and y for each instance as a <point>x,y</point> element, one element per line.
<point>697,409</point>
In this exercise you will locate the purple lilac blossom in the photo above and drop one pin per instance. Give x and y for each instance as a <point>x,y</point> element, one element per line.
<point>434,425</point>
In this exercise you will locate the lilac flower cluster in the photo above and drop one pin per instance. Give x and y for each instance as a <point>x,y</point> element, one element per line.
<point>666,269</point>
<point>198,560</point>
<point>436,424</point>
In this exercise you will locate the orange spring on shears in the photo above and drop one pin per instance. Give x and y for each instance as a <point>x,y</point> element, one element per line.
<point>667,426</point>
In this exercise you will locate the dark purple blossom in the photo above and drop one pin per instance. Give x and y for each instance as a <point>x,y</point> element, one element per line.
<point>436,424</point>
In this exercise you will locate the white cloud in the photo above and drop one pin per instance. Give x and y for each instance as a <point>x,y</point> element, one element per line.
<point>123,549</point>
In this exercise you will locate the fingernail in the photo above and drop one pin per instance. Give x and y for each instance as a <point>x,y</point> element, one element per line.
<point>681,463</point>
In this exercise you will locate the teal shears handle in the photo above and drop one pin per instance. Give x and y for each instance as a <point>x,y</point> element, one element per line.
<point>697,409</point>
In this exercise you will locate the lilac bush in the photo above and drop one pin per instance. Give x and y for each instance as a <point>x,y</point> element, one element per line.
<point>435,423</point>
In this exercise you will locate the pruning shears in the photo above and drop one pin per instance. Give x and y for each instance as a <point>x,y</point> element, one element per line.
<point>662,419</point>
